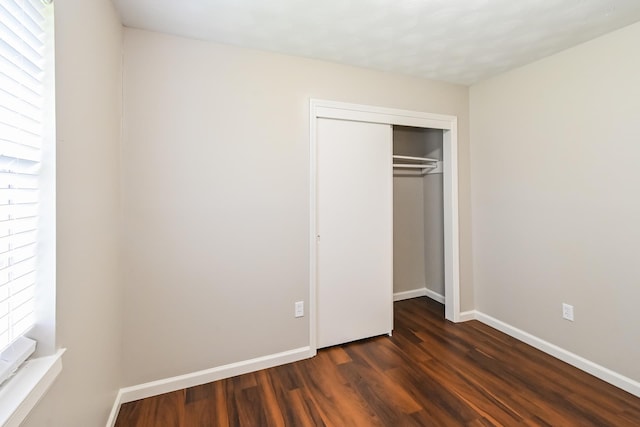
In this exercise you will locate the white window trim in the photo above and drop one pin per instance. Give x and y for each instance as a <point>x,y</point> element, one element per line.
<point>21,393</point>
<point>14,356</point>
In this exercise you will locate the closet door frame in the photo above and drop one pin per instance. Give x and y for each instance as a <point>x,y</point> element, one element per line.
<point>365,113</point>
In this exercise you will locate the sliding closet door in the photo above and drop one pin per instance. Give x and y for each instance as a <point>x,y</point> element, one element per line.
<point>355,231</point>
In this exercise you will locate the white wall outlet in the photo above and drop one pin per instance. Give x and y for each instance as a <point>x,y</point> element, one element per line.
<point>567,311</point>
<point>299,308</point>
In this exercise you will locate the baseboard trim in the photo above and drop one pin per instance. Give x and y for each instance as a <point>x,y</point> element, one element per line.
<point>154,388</point>
<point>465,316</point>
<point>605,374</point>
<point>435,296</point>
<point>420,292</point>
<point>113,415</point>
<point>415,293</point>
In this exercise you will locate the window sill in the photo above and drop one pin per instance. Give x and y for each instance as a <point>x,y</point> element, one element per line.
<point>20,394</point>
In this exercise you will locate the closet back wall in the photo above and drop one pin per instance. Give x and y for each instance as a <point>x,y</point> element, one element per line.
<point>216,195</point>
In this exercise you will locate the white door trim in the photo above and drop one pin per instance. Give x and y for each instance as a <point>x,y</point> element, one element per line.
<point>365,113</point>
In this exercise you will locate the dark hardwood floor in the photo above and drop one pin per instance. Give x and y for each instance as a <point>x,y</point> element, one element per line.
<point>430,373</point>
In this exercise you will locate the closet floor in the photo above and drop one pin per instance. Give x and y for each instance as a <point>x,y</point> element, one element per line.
<point>430,373</point>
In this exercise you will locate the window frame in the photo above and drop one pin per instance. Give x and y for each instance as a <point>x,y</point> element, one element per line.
<point>22,391</point>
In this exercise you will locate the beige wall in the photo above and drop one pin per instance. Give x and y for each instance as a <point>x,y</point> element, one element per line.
<point>88,103</point>
<point>215,161</point>
<point>555,208</point>
<point>409,271</point>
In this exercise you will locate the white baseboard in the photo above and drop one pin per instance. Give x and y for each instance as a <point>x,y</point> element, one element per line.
<point>420,292</point>
<point>465,316</point>
<point>435,296</point>
<point>154,388</point>
<point>113,415</point>
<point>605,374</point>
<point>415,293</point>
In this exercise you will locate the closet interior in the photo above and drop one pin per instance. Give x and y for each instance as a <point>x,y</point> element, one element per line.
<point>418,213</point>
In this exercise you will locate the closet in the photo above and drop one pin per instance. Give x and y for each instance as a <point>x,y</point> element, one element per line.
<point>418,222</point>
<point>383,217</point>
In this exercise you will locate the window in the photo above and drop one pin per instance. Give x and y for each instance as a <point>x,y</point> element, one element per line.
<point>27,214</point>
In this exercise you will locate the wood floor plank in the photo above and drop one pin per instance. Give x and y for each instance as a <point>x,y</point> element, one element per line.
<point>336,399</point>
<point>338,355</point>
<point>166,410</point>
<point>431,372</point>
<point>303,412</point>
<point>482,399</point>
<point>441,407</point>
<point>269,400</point>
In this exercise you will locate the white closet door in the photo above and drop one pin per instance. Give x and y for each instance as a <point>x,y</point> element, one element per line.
<point>355,228</point>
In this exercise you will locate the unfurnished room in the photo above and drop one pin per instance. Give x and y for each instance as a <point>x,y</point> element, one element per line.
<point>331,213</point>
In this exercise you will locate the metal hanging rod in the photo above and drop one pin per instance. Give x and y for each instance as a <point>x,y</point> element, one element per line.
<point>413,166</point>
<point>419,159</point>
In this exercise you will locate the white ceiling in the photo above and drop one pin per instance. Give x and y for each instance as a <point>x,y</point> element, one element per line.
<point>459,41</point>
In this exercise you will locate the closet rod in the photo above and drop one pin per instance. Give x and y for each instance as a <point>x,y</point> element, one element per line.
<point>412,166</point>
<point>420,159</point>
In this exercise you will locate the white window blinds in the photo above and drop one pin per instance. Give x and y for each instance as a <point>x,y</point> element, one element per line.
<point>22,50</point>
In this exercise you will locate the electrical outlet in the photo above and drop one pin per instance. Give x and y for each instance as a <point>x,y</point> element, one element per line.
<point>567,311</point>
<point>299,308</point>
